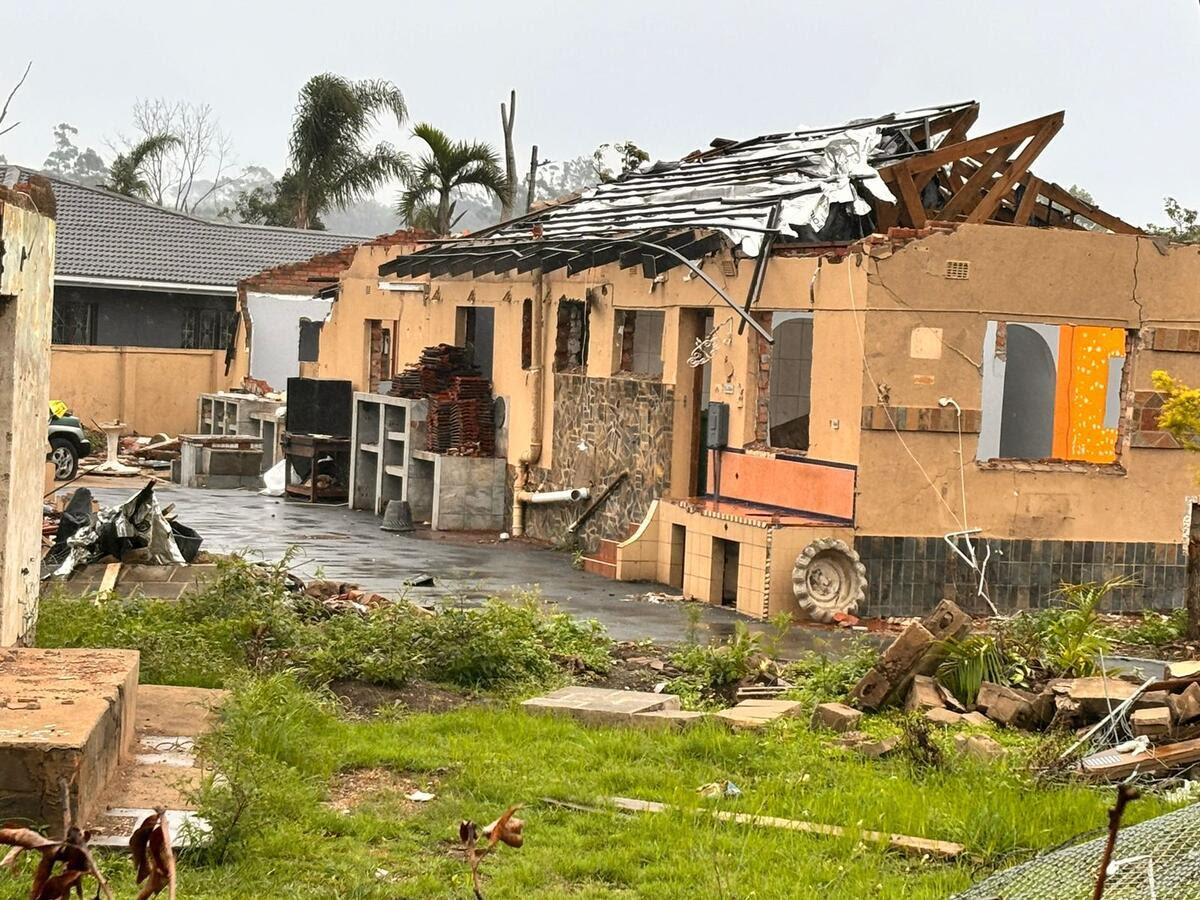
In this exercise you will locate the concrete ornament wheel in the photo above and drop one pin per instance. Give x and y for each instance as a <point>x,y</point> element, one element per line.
<point>828,578</point>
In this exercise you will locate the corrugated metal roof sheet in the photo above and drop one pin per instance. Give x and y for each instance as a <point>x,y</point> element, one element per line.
<point>107,235</point>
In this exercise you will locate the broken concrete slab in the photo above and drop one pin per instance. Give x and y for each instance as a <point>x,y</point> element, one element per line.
<point>877,749</point>
<point>602,706</point>
<point>917,651</point>
<point>836,717</point>
<point>754,714</point>
<point>942,717</point>
<point>1185,668</point>
<point>668,719</point>
<point>1013,707</point>
<point>980,747</point>
<point>924,694</point>
<point>977,719</point>
<point>1185,706</point>
<point>947,622</point>
<point>1096,696</point>
<point>1154,722</point>
<point>67,714</point>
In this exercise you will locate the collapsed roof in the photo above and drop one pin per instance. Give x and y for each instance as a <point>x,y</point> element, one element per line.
<point>815,186</point>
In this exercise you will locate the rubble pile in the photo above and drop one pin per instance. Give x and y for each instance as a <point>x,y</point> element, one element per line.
<point>1125,725</point>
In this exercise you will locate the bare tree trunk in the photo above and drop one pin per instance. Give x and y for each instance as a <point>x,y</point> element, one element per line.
<point>510,159</point>
<point>533,164</point>
<point>443,213</point>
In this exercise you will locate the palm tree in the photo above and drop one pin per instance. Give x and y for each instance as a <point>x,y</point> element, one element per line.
<point>124,175</point>
<point>329,163</point>
<point>446,166</point>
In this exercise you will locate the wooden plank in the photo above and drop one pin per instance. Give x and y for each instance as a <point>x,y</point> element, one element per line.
<point>1108,764</point>
<point>1028,200</point>
<point>980,179</point>
<point>1063,197</point>
<point>956,132</point>
<point>912,200</point>
<point>901,842</point>
<point>1015,171</point>
<point>946,154</point>
<point>108,582</point>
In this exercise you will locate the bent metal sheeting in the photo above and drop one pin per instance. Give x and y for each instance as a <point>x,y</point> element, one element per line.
<point>731,189</point>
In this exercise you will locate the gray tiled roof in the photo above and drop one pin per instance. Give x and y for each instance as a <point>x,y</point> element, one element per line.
<point>107,235</point>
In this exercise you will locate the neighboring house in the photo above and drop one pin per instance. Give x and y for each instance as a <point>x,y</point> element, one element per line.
<point>144,301</point>
<point>936,378</point>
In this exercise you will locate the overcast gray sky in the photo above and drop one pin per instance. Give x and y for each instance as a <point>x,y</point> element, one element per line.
<point>668,75</point>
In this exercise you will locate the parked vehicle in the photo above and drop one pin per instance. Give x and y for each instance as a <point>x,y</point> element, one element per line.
<point>68,441</point>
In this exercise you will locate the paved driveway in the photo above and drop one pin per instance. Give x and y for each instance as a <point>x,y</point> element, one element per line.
<point>348,545</point>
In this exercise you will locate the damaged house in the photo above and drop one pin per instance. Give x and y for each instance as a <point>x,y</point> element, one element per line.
<point>141,291</point>
<point>857,368</point>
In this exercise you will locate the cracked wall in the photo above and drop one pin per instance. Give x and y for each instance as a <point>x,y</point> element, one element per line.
<point>912,484</point>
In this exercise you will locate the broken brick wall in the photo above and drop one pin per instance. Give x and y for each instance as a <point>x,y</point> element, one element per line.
<point>603,427</point>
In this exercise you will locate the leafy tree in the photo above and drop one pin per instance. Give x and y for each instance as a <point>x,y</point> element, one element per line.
<point>273,204</point>
<point>125,175</point>
<point>1180,417</point>
<point>611,161</point>
<point>69,161</point>
<point>447,166</point>
<point>1184,226</point>
<point>329,164</point>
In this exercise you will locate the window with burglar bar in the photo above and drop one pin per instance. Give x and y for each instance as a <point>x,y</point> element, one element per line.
<point>207,329</point>
<point>74,323</point>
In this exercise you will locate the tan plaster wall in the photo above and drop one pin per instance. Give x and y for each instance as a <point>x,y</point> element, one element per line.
<point>430,318</point>
<point>1019,274</point>
<point>26,304</point>
<point>150,389</point>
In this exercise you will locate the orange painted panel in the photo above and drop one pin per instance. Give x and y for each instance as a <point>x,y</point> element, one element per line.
<point>1091,349</point>
<point>792,483</point>
<point>1062,394</point>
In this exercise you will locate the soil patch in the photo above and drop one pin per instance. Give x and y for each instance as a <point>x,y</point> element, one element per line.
<point>355,787</point>
<point>637,667</point>
<point>418,696</point>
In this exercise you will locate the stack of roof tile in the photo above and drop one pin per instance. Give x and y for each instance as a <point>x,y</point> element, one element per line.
<point>459,421</point>
<point>434,372</point>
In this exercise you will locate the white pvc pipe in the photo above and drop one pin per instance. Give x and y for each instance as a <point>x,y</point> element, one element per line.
<point>570,495</point>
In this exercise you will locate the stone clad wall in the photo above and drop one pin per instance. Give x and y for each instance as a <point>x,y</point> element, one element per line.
<point>603,427</point>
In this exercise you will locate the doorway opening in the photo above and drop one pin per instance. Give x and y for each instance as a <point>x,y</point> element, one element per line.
<point>475,331</point>
<point>724,582</point>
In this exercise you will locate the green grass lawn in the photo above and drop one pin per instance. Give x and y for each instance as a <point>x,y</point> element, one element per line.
<point>285,825</point>
<point>479,759</point>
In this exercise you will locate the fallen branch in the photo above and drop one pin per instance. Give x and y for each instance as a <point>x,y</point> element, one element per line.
<point>1124,794</point>
<point>904,843</point>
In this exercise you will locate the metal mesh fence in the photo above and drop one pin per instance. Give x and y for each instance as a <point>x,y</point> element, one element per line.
<point>1158,859</point>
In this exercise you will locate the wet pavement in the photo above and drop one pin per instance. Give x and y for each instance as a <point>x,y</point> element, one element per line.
<point>348,545</point>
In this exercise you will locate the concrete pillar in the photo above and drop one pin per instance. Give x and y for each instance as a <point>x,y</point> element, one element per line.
<point>26,307</point>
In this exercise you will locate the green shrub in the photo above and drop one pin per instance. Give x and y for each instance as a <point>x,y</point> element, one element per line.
<point>1064,641</point>
<point>968,663</point>
<point>712,672</point>
<point>245,620</point>
<point>820,679</point>
<point>266,760</point>
<point>1156,629</point>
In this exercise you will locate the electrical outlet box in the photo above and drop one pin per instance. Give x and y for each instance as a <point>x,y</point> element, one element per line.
<point>718,426</point>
